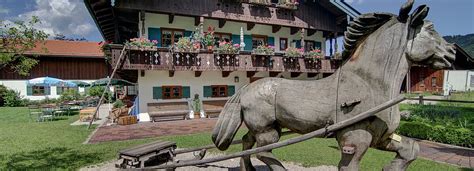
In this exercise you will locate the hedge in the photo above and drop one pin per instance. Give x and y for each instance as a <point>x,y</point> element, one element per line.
<point>438,133</point>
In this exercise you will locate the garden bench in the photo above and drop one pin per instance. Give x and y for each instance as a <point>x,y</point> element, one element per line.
<point>213,108</point>
<point>168,111</point>
<point>153,153</point>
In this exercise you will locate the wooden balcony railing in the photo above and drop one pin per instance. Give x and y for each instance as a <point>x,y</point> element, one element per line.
<point>163,59</point>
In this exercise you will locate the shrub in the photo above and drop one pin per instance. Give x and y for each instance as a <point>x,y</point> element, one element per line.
<point>415,129</point>
<point>96,91</point>
<point>69,95</point>
<point>12,98</point>
<point>118,104</point>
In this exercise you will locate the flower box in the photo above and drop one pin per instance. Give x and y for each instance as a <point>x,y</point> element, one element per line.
<point>186,59</point>
<point>226,59</point>
<point>312,63</point>
<point>291,62</point>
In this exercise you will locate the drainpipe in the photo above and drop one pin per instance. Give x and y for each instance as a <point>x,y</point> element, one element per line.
<point>467,78</point>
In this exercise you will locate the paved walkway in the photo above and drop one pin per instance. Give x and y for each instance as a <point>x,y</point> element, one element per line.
<point>463,157</point>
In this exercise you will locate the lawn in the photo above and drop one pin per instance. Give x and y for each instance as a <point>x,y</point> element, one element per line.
<point>27,145</point>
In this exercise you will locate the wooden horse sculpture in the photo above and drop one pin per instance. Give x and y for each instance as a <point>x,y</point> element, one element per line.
<point>379,50</point>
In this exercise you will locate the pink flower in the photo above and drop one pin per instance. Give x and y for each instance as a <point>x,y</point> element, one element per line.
<point>236,45</point>
<point>318,50</point>
<point>154,41</point>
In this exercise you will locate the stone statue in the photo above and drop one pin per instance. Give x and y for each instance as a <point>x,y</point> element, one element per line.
<point>379,50</point>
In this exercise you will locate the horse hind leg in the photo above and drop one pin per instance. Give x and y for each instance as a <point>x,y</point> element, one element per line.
<point>265,138</point>
<point>407,150</point>
<point>247,143</point>
<point>353,144</point>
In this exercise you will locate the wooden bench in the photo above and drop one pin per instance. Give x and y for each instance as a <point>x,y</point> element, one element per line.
<point>168,111</point>
<point>213,108</point>
<point>150,154</point>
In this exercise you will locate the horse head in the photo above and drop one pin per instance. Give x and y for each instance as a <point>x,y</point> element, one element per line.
<point>425,46</point>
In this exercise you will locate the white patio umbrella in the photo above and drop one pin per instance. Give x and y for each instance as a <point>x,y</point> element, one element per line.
<point>50,81</point>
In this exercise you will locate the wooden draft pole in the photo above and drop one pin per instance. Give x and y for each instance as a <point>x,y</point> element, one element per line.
<point>107,86</point>
<point>319,132</point>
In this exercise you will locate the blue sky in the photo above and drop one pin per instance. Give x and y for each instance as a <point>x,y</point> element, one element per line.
<point>71,18</point>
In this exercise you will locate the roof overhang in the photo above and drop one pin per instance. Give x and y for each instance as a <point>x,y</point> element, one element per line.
<point>344,6</point>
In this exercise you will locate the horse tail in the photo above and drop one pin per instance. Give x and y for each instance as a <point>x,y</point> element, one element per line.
<point>228,123</point>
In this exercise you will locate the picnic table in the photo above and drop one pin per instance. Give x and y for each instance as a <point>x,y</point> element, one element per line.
<point>86,114</point>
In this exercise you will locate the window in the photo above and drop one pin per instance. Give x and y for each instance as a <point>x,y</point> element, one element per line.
<point>283,44</point>
<point>309,45</point>
<point>258,40</point>
<point>170,36</point>
<point>222,37</point>
<point>219,91</point>
<point>433,81</point>
<point>38,91</point>
<point>172,92</point>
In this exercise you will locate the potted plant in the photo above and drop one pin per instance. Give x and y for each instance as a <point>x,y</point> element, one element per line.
<point>288,4</point>
<point>208,38</point>
<point>313,59</point>
<point>294,52</point>
<point>141,43</point>
<point>226,54</point>
<point>185,52</point>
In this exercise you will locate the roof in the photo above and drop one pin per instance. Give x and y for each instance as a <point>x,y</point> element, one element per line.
<point>344,6</point>
<point>60,48</point>
<point>463,59</point>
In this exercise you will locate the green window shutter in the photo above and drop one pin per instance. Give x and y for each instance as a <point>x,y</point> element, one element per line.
<point>248,42</point>
<point>297,43</point>
<point>59,90</point>
<point>230,90</point>
<point>271,41</point>
<point>47,90</point>
<point>157,93</point>
<point>29,90</point>
<point>187,33</point>
<point>235,39</point>
<point>155,34</point>
<point>318,45</point>
<point>207,91</point>
<point>186,92</point>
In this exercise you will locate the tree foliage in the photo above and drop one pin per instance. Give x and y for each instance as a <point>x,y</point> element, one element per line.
<point>465,41</point>
<point>16,38</point>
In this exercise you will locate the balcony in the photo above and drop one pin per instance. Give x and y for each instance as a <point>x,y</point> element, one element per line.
<point>163,59</point>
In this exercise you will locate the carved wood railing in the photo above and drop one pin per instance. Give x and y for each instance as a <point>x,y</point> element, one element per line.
<point>163,59</point>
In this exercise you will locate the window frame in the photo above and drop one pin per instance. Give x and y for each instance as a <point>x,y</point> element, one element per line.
<point>172,30</point>
<point>171,87</point>
<point>33,92</point>
<point>286,44</point>
<point>218,93</point>
<point>264,37</point>
<point>306,45</point>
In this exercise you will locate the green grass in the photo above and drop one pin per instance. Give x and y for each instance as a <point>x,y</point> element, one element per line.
<point>27,145</point>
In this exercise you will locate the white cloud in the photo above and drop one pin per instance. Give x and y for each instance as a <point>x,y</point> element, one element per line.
<point>67,17</point>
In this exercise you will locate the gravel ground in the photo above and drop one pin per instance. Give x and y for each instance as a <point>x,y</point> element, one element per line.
<point>231,165</point>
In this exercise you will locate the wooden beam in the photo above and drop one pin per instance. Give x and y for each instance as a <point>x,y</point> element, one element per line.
<point>127,20</point>
<point>221,23</point>
<point>251,73</point>
<point>311,32</point>
<point>312,75</point>
<point>276,28</point>
<point>170,18</point>
<point>226,74</point>
<point>197,73</point>
<point>294,30</point>
<point>108,15</point>
<point>171,73</point>
<point>295,74</point>
<point>250,26</point>
<point>197,20</point>
<point>274,74</point>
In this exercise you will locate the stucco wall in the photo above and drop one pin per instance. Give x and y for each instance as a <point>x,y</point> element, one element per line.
<point>196,84</point>
<point>20,86</point>
<point>180,22</point>
<point>460,80</point>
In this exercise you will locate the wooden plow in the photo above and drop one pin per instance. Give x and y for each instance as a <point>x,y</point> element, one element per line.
<point>168,152</point>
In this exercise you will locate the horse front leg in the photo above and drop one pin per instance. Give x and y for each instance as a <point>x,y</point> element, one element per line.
<point>406,148</point>
<point>247,143</point>
<point>353,144</point>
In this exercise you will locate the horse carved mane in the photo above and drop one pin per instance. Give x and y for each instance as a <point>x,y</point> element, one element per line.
<point>360,28</point>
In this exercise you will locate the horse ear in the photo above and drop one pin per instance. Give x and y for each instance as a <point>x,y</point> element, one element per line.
<point>405,10</point>
<point>419,15</point>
